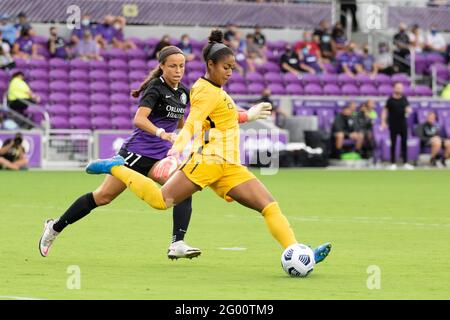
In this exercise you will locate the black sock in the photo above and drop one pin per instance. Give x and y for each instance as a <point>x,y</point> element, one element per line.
<point>181,217</point>
<point>80,208</point>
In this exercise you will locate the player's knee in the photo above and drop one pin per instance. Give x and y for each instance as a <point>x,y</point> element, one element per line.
<point>436,141</point>
<point>103,198</point>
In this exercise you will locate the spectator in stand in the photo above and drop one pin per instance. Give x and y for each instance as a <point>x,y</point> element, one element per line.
<point>310,63</point>
<point>401,53</point>
<point>259,38</point>
<point>308,43</point>
<point>345,126</point>
<point>6,61</point>
<point>339,39</point>
<point>86,24</point>
<point>8,29</point>
<point>20,95</point>
<point>278,116</point>
<point>324,35</point>
<point>290,61</point>
<point>230,36</point>
<point>87,48</point>
<point>435,42</point>
<point>186,46</point>
<point>118,40</point>
<point>23,23</point>
<point>366,118</point>
<point>429,133</point>
<point>25,47</point>
<point>57,45</point>
<point>367,62</point>
<point>164,42</point>
<point>253,53</point>
<point>384,61</point>
<point>349,61</point>
<point>395,113</point>
<point>12,154</point>
<point>416,39</point>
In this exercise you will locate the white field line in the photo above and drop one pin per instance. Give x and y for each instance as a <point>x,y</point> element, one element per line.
<point>20,298</point>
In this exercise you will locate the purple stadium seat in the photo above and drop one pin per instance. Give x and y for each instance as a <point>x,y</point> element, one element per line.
<point>118,64</point>
<point>313,89</point>
<point>325,118</point>
<point>444,117</point>
<point>276,45</point>
<point>152,64</point>
<point>346,79</point>
<point>193,76</point>
<point>38,85</point>
<point>384,90</point>
<point>140,44</point>
<point>99,123</point>
<point>137,76</point>
<point>58,110</point>
<point>302,111</point>
<point>330,68</point>
<point>79,123</point>
<point>120,110</point>
<point>315,104</point>
<point>79,110</point>
<point>79,75</point>
<point>59,98</point>
<point>254,77</point>
<point>273,77</point>
<point>99,87</point>
<point>381,79</point>
<point>294,89</point>
<point>363,79</point>
<point>433,58</point>
<point>422,90</point>
<point>4,75</point>
<point>442,71</point>
<point>152,42</point>
<point>38,64</point>
<point>350,90</point>
<point>421,63</point>
<point>120,98</point>
<point>276,88</point>
<point>99,109</point>
<point>237,88</point>
<point>195,66</point>
<point>137,53</point>
<point>236,78</point>
<point>255,88</point>
<point>114,53</point>
<point>117,76</point>
<point>79,86</point>
<point>100,98</point>
<point>328,78</point>
<point>311,79</point>
<point>368,90</point>
<point>79,64</point>
<point>401,77</point>
<point>44,97</point>
<point>59,86</point>
<point>59,122</point>
<point>43,51</point>
<point>137,65</point>
<point>408,91</point>
<point>79,98</point>
<point>269,66</point>
<point>122,123</point>
<point>38,74</point>
<point>98,75</point>
<point>422,115</point>
<point>98,65</point>
<point>331,90</point>
<point>413,148</point>
<point>291,78</point>
<point>58,64</point>
<point>120,87</point>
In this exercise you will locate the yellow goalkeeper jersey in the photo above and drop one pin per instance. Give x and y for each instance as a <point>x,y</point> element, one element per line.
<point>213,120</point>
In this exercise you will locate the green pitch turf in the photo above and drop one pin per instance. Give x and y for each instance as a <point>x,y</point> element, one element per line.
<point>397,223</point>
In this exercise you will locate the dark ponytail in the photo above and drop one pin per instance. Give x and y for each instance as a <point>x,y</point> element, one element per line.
<point>157,72</point>
<point>215,50</point>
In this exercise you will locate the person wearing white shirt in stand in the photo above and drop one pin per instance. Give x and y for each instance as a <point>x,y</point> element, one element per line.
<point>435,42</point>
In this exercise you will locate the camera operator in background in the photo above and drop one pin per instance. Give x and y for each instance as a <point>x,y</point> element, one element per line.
<point>12,154</point>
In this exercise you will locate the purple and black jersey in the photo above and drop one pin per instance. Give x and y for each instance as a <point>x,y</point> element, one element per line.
<point>168,107</point>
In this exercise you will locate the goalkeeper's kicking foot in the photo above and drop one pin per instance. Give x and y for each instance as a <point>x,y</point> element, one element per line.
<point>181,249</point>
<point>104,165</point>
<point>321,252</point>
<point>47,237</point>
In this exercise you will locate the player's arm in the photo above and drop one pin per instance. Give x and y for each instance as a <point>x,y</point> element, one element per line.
<point>259,111</point>
<point>142,122</point>
<point>6,146</point>
<point>384,117</point>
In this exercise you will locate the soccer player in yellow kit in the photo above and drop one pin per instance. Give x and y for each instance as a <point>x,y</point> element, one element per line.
<point>214,160</point>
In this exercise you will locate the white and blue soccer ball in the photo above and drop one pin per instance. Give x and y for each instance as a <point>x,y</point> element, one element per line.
<point>298,260</point>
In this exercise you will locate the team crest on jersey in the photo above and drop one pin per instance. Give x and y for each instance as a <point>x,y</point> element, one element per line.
<point>183,98</point>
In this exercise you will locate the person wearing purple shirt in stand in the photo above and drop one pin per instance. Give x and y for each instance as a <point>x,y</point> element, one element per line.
<point>309,62</point>
<point>349,61</point>
<point>25,47</point>
<point>86,24</point>
<point>367,62</point>
<point>186,47</point>
<point>56,45</point>
<point>87,48</point>
<point>163,101</point>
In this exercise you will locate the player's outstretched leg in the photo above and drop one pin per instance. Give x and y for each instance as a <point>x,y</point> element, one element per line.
<point>321,252</point>
<point>104,165</point>
<point>47,238</point>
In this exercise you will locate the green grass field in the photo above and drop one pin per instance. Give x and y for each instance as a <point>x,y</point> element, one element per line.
<point>397,221</point>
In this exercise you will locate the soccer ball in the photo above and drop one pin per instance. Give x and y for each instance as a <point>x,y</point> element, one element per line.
<point>298,260</point>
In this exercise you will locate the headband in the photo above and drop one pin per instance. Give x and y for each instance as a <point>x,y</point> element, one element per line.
<point>214,48</point>
<point>163,54</point>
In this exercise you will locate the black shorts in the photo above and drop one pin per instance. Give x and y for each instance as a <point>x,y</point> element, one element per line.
<point>137,162</point>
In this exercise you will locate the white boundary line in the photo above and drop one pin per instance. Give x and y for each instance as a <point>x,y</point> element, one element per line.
<point>20,298</point>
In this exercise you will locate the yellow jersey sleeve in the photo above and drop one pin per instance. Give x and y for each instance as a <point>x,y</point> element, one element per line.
<point>203,102</point>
